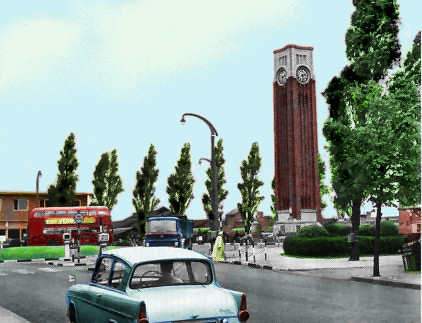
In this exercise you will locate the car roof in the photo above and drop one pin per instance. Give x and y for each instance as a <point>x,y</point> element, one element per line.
<point>133,255</point>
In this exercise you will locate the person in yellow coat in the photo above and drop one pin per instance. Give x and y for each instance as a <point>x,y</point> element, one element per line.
<point>218,253</point>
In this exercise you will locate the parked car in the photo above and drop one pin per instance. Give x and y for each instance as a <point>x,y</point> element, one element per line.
<point>160,284</point>
<point>12,242</point>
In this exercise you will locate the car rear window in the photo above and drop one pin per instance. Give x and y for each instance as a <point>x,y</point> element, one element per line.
<point>171,272</point>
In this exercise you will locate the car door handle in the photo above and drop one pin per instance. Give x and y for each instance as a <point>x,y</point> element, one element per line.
<point>99,295</point>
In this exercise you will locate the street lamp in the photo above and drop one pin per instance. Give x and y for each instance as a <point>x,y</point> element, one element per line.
<point>213,167</point>
<point>38,182</point>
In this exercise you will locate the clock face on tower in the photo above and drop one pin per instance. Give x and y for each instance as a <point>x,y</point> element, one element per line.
<point>281,76</point>
<point>303,75</point>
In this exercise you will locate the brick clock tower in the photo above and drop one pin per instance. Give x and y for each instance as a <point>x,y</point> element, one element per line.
<point>295,135</point>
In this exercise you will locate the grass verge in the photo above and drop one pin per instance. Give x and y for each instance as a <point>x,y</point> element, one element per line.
<point>43,252</point>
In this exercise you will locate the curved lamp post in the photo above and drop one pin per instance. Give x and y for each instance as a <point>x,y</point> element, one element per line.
<point>38,182</point>
<point>213,167</point>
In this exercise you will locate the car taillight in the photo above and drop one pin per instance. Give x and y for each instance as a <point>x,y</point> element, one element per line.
<point>243,315</point>
<point>142,316</point>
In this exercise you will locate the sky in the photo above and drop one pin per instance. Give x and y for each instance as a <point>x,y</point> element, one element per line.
<point>120,75</point>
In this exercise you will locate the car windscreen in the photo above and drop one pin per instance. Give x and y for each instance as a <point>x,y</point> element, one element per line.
<point>165,226</point>
<point>171,272</point>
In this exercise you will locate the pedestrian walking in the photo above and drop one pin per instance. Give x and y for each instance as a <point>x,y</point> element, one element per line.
<point>218,253</point>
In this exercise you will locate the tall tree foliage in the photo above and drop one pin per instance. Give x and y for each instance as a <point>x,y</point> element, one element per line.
<point>107,182</point>
<point>221,180</point>
<point>180,183</point>
<point>322,187</point>
<point>249,188</point>
<point>393,139</point>
<point>63,192</point>
<point>372,47</point>
<point>144,199</point>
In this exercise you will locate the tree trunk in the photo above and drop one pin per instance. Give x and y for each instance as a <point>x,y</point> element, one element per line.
<point>376,241</point>
<point>354,253</point>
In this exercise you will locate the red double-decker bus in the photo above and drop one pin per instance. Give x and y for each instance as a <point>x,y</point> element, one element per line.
<point>46,225</point>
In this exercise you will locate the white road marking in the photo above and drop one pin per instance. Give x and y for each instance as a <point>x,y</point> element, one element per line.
<point>3,274</point>
<point>23,271</point>
<point>50,270</point>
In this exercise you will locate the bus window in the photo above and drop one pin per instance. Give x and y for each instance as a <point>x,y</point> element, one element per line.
<point>60,212</point>
<point>38,213</point>
<point>72,230</point>
<point>84,230</point>
<point>92,212</point>
<point>60,230</point>
<point>102,212</point>
<point>49,213</point>
<point>48,231</point>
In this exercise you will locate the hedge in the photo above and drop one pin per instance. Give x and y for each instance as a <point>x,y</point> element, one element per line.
<point>316,247</point>
<point>311,231</point>
<point>337,229</point>
<point>338,246</point>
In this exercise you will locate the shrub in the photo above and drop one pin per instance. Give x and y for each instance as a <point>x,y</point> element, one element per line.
<point>311,231</point>
<point>388,229</point>
<point>338,246</point>
<point>337,229</point>
<point>366,230</point>
<point>388,245</point>
<point>316,247</point>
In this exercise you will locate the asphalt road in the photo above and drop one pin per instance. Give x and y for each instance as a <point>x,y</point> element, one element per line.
<point>36,291</point>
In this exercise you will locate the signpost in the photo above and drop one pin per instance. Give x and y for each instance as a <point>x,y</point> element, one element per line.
<point>79,219</point>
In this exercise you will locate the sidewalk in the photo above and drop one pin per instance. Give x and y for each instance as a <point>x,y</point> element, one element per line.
<point>391,267</point>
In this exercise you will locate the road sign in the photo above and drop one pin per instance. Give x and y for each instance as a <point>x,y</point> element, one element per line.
<point>79,218</point>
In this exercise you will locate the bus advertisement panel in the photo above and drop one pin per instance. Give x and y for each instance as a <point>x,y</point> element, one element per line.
<point>46,225</point>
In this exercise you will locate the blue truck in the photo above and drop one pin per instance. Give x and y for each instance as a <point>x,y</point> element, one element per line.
<point>169,231</point>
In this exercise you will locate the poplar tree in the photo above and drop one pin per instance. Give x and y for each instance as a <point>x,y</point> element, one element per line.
<point>180,183</point>
<point>221,180</point>
<point>63,192</point>
<point>249,188</point>
<point>144,199</point>
<point>107,182</point>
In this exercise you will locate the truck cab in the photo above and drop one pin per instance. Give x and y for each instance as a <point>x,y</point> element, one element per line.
<point>169,231</point>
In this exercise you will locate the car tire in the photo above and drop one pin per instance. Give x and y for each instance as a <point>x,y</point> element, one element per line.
<point>71,313</point>
<point>52,243</point>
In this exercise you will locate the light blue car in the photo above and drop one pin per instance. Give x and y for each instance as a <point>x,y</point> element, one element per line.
<point>161,284</point>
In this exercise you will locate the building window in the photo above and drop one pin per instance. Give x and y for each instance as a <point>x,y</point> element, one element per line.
<point>20,204</point>
<point>43,203</point>
<point>418,227</point>
<point>0,203</point>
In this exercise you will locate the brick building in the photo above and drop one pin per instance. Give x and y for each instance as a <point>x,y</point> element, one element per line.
<point>410,222</point>
<point>15,206</point>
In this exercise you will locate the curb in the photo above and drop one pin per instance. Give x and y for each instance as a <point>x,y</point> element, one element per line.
<point>380,281</point>
<point>353,278</point>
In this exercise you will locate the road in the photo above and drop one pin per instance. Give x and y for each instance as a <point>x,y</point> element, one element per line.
<point>36,291</point>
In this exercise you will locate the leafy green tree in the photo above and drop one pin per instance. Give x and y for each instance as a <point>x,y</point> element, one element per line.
<point>180,183</point>
<point>393,160</point>
<point>273,207</point>
<point>322,187</point>
<point>63,192</point>
<point>249,189</point>
<point>144,199</point>
<point>221,180</point>
<point>107,182</point>
<point>372,43</point>
<point>372,48</point>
